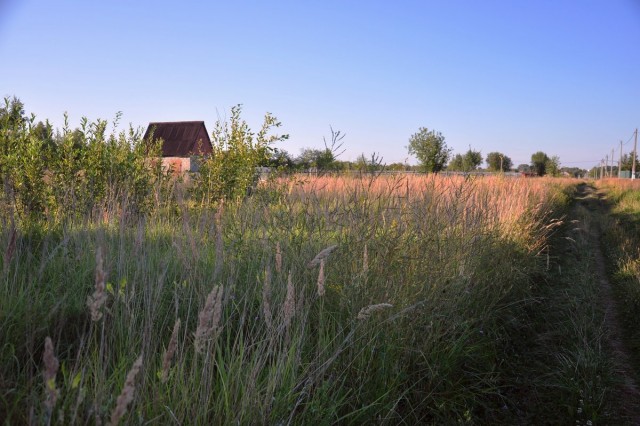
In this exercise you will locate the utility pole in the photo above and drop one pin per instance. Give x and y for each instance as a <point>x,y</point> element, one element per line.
<point>606,165</point>
<point>611,171</point>
<point>601,168</point>
<point>620,163</point>
<point>635,147</point>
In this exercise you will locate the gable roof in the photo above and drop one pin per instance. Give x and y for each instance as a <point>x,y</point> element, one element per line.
<point>181,138</point>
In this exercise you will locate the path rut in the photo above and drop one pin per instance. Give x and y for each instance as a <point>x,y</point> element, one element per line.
<point>627,393</point>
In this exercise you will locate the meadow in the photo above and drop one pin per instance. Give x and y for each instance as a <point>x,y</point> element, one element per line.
<point>128,296</point>
<point>408,318</point>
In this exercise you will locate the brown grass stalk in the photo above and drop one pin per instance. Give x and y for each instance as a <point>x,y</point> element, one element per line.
<point>266,299</point>
<point>320,256</point>
<point>170,352</point>
<point>367,311</point>
<point>51,365</point>
<point>127,394</point>
<point>278,258</point>
<point>289,303</point>
<point>96,301</point>
<point>365,261</point>
<point>209,319</point>
<point>320,282</point>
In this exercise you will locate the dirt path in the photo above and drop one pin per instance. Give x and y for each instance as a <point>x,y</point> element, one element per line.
<point>627,393</point>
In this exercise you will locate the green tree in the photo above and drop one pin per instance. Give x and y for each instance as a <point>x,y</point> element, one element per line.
<point>468,162</point>
<point>497,161</point>
<point>539,163</point>
<point>230,170</point>
<point>429,147</point>
<point>456,164</point>
<point>280,159</point>
<point>552,166</point>
<point>398,167</point>
<point>523,168</point>
<point>627,162</point>
<point>12,113</point>
<point>471,160</point>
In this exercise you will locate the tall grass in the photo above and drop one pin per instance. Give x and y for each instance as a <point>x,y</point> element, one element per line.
<point>407,319</point>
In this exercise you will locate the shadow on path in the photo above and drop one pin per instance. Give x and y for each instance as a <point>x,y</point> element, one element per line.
<point>627,393</point>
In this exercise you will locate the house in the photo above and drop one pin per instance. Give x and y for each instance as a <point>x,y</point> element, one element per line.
<point>182,141</point>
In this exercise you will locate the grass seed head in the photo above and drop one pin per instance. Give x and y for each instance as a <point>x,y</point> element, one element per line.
<point>96,301</point>
<point>209,319</point>
<point>51,365</point>
<point>320,256</point>
<point>367,311</point>
<point>170,352</point>
<point>365,261</point>
<point>321,290</point>
<point>289,302</point>
<point>266,299</point>
<point>278,258</point>
<point>127,394</point>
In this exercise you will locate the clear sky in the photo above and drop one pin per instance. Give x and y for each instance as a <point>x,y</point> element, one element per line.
<point>513,76</point>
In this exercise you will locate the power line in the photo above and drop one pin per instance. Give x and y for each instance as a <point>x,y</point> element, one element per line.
<point>578,162</point>
<point>631,137</point>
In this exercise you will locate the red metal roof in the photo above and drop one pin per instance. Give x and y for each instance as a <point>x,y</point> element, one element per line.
<point>181,138</point>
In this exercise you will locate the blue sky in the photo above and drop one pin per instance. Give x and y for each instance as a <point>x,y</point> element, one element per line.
<point>511,76</point>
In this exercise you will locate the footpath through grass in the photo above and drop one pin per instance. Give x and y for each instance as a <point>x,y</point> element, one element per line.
<point>621,245</point>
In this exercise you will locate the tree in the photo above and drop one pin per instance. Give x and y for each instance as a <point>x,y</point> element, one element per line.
<point>539,163</point>
<point>524,168</point>
<point>323,159</point>
<point>468,162</point>
<point>456,164</point>
<point>398,167</point>
<point>627,161</point>
<point>497,161</point>
<point>12,113</point>
<point>370,164</point>
<point>552,166</point>
<point>280,159</point>
<point>230,170</point>
<point>429,148</point>
<point>471,160</point>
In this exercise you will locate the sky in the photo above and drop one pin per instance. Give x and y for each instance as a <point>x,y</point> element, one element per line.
<point>513,76</point>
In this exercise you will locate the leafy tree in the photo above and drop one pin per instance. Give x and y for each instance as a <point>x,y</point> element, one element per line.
<point>369,164</point>
<point>471,160</point>
<point>398,167</point>
<point>497,161</point>
<point>456,164</point>
<point>552,167</point>
<point>311,158</point>
<point>523,168</point>
<point>280,159</point>
<point>230,170</point>
<point>627,162</point>
<point>323,160</point>
<point>12,113</point>
<point>468,162</point>
<point>539,162</point>
<point>429,147</point>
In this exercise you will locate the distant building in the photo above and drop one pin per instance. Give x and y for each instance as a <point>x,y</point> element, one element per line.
<point>181,142</point>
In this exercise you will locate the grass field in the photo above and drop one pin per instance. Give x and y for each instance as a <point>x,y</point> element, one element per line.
<point>396,300</point>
